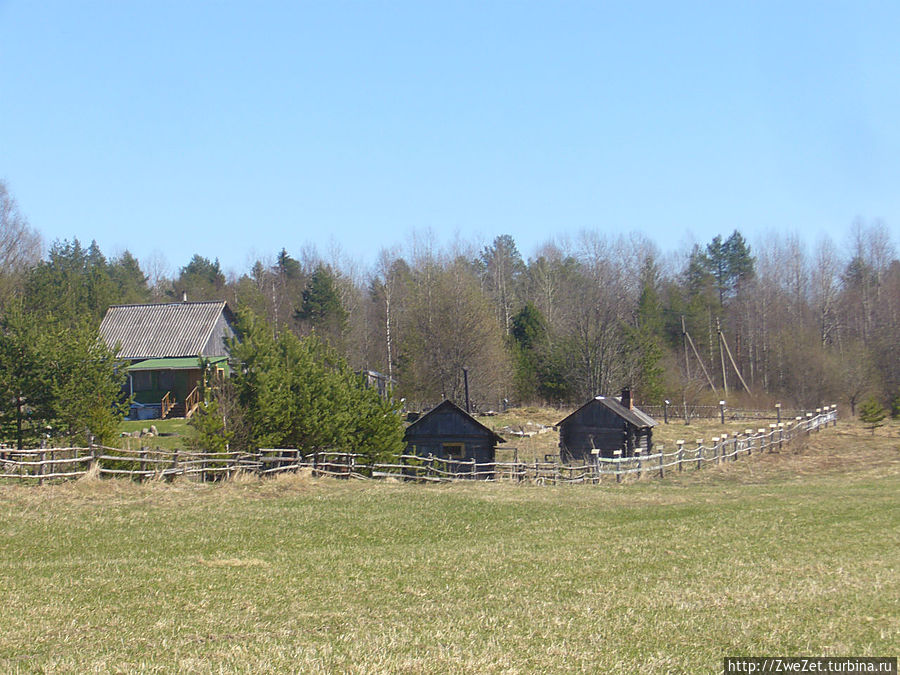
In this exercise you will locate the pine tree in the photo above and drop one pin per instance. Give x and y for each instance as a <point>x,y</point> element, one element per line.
<point>299,393</point>
<point>86,384</point>
<point>73,284</point>
<point>56,375</point>
<point>200,279</point>
<point>25,392</point>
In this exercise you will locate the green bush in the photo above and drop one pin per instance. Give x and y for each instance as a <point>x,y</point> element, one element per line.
<point>872,414</point>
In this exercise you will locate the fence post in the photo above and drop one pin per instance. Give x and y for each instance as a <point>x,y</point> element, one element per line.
<point>175,459</point>
<point>640,463</point>
<point>749,433</point>
<point>617,455</point>
<point>699,453</point>
<point>680,445</point>
<point>778,412</point>
<point>834,414</point>
<point>715,442</point>
<point>780,436</point>
<point>474,474</point>
<point>143,463</point>
<point>722,411</point>
<point>40,467</point>
<point>662,472</point>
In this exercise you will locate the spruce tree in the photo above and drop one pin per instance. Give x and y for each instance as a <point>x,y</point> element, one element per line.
<point>872,414</point>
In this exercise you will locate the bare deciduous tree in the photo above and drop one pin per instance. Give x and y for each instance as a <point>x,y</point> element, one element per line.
<point>20,245</point>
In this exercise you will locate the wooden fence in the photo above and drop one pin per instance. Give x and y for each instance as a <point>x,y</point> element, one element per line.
<point>58,464</point>
<point>679,411</point>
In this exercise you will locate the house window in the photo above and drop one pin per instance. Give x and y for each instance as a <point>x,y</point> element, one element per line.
<point>455,451</point>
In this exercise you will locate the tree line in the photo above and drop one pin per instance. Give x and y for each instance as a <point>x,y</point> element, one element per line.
<point>585,315</point>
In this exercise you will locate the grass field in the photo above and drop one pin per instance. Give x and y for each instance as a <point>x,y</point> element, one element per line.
<point>788,554</point>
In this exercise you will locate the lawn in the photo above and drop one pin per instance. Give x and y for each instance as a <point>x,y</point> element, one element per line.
<point>790,553</point>
<point>173,434</point>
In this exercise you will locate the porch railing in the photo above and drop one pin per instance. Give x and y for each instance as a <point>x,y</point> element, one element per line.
<point>168,402</point>
<point>192,402</point>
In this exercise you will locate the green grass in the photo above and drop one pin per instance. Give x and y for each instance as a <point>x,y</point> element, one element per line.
<point>177,431</point>
<point>792,553</point>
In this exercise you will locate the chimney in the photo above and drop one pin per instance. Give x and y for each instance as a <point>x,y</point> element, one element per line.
<point>626,398</point>
<point>184,296</point>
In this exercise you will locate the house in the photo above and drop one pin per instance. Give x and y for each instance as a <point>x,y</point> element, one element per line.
<point>449,432</point>
<point>607,425</point>
<point>163,345</point>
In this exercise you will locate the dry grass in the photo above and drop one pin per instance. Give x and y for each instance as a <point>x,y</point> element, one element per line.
<point>541,446</point>
<point>780,553</point>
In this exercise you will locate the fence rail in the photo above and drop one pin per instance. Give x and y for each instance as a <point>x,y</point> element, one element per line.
<point>58,464</point>
<point>680,411</point>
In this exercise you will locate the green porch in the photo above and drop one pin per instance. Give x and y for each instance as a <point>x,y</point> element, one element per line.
<point>170,385</point>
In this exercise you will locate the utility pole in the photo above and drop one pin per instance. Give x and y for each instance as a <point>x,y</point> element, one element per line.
<point>466,385</point>
<point>722,357</point>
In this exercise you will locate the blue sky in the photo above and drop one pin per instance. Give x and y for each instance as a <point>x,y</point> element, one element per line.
<point>235,129</point>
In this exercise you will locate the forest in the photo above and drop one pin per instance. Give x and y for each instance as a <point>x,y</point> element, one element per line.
<point>780,318</point>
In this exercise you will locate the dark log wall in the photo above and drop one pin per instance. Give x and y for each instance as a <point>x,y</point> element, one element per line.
<point>443,427</point>
<point>595,426</point>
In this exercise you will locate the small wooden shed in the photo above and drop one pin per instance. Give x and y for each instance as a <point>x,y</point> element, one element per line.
<point>606,424</point>
<point>449,432</point>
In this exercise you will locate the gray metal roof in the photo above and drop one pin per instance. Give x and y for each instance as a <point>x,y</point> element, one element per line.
<point>634,416</point>
<point>161,331</point>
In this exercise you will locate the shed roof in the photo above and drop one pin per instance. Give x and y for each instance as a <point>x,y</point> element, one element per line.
<point>633,416</point>
<point>180,363</point>
<point>449,405</point>
<point>163,330</point>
